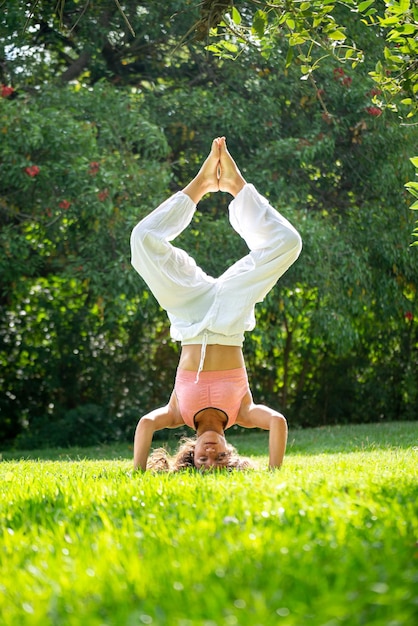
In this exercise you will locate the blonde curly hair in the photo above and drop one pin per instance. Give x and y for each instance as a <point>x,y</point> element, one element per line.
<point>161,460</point>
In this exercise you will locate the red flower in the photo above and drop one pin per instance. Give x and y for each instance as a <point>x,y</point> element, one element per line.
<point>374,92</point>
<point>94,168</point>
<point>339,75</point>
<point>338,72</point>
<point>6,91</point>
<point>32,170</point>
<point>102,195</point>
<point>64,204</point>
<point>375,111</point>
<point>409,316</point>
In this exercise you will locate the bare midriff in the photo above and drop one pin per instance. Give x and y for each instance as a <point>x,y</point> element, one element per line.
<point>217,357</point>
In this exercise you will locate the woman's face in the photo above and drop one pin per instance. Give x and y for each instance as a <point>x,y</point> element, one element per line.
<point>211,451</point>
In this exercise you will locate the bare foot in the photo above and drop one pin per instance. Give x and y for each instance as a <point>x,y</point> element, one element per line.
<point>231,179</point>
<point>207,179</point>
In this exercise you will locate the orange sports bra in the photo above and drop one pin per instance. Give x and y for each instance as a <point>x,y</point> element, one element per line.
<point>222,390</point>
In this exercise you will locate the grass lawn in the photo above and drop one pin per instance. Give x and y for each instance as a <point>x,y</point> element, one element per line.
<point>329,539</point>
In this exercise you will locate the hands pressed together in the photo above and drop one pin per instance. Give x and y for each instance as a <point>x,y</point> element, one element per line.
<point>218,173</point>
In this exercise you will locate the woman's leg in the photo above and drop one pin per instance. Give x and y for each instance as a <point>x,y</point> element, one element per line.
<point>171,274</point>
<point>273,242</point>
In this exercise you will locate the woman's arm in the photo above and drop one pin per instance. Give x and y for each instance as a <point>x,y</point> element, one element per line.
<point>164,417</point>
<point>259,416</point>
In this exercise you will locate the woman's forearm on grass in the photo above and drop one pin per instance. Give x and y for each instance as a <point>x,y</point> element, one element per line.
<point>142,443</point>
<point>260,416</point>
<point>277,441</point>
<point>164,417</point>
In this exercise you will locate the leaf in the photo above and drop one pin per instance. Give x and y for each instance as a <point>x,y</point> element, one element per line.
<point>406,29</point>
<point>405,5</point>
<point>364,5</point>
<point>336,35</point>
<point>412,188</point>
<point>389,21</point>
<point>289,57</point>
<point>231,47</point>
<point>213,48</point>
<point>236,17</point>
<point>414,161</point>
<point>259,23</point>
<point>296,39</point>
<point>392,57</point>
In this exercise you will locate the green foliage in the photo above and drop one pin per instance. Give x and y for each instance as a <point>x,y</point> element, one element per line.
<point>413,189</point>
<point>338,178</point>
<point>98,125</point>
<point>87,424</point>
<point>108,39</point>
<point>70,40</point>
<point>317,29</point>
<point>88,541</point>
<point>69,295</point>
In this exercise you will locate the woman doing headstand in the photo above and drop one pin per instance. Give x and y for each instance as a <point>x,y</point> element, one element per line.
<point>210,315</point>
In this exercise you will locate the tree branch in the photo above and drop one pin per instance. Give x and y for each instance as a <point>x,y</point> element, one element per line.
<point>76,68</point>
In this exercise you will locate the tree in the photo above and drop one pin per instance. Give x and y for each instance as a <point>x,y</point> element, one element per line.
<point>73,40</point>
<point>315,29</point>
<point>84,348</point>
<point>412,187</point>
<point>75,170</point>
<point>312,29</point>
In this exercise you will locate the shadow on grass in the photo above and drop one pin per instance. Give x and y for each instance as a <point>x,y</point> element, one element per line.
<point>309,441</point>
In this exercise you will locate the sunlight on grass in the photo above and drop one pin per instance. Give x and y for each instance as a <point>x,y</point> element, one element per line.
<point>330,539</point>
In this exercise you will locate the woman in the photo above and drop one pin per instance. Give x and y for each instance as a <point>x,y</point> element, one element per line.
<point>210,315</point>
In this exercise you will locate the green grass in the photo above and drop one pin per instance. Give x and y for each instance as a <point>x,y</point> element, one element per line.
<point>329,539</point>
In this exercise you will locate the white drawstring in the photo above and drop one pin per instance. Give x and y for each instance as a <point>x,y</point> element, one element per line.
<point>202,355</point>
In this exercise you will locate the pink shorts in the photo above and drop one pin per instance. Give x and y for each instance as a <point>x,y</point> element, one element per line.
<point>222,390</point>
